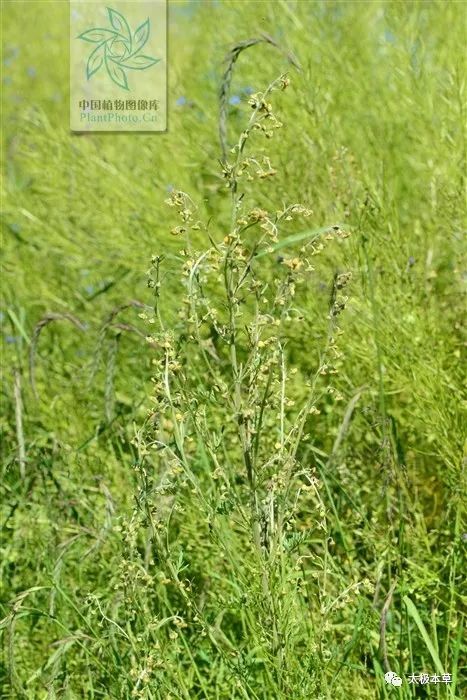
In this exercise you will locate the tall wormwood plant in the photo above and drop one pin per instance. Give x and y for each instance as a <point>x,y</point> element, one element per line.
<point>226,438</point>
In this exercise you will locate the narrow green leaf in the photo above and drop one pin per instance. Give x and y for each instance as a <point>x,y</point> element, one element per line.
<point>413,612</point>
<point>16,322</point>
<point>56,656</point>
<point>309,235</point>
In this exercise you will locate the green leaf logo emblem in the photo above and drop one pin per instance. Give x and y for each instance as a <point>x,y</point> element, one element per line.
<point>118,50</point>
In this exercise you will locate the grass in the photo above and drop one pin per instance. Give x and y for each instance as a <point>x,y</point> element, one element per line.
<point>237,467</point>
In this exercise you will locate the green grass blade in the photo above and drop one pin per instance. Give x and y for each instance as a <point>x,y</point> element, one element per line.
<point>413,612</point>
<point>308,235</point>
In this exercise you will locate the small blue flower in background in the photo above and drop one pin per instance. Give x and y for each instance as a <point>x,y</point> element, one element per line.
<point>10,339</point>
<point>89,289</point>
<point>181,101</point>
<point>170,188</point>
<point>9,59</point>
<point>234,100</point>
<point>411,261</point>
<point>389,36</point>
<point>32,72</point>
<point>248,90</point>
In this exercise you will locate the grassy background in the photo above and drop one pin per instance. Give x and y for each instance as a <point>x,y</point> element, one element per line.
<point>373,138</point>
